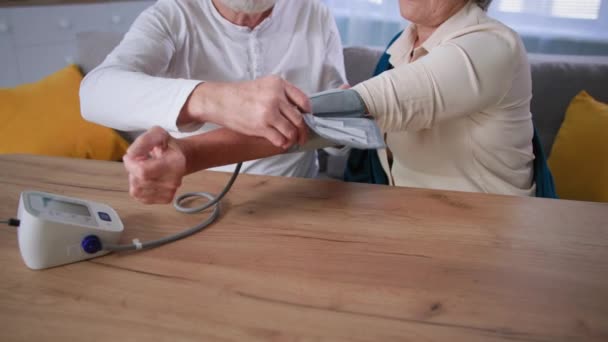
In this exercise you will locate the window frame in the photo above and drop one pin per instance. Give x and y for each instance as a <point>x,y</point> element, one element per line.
<point>586,29</point>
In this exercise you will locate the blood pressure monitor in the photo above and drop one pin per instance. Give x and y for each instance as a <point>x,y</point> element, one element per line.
<point>56,230</point>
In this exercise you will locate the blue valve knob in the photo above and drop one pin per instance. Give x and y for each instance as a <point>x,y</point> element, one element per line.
<point>91,244</point>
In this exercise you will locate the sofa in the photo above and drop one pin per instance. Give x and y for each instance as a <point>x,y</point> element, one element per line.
<point>556,79</point>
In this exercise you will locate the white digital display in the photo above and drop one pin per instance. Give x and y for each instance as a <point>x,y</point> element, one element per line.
<point>66,207</point>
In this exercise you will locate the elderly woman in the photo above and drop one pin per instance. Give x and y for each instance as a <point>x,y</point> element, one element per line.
<point>455,108</point>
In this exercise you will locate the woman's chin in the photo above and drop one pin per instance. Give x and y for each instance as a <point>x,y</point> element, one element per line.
<point>410,12</point>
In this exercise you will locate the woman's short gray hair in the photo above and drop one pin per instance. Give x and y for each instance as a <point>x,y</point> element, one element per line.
<point>484,4</point>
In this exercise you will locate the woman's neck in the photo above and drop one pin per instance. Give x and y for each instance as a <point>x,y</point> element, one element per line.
<point>250,20</point>
<point>422,34</point>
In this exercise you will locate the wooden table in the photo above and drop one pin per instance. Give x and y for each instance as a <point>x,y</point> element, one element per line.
<point>308,260</point>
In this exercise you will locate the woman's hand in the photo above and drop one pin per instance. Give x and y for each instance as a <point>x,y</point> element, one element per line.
<point>156,163</point>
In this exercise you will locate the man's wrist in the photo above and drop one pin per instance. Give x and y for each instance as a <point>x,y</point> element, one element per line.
<point>199,106</point>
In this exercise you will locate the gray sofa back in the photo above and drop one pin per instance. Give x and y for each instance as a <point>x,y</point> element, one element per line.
<point>556,79</point>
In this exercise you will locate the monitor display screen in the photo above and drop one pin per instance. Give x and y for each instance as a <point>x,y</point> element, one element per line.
<point>66,207</point>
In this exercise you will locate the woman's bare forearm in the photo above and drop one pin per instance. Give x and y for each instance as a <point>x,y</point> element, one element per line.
<point>223,147</point>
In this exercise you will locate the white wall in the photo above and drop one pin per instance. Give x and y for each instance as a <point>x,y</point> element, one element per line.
<point>37,41</point>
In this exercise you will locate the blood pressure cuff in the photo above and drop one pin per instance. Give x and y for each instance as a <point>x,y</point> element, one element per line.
<point>339,117</point>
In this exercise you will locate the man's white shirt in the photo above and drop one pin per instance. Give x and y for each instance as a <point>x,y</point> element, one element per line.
<point>176,44</point>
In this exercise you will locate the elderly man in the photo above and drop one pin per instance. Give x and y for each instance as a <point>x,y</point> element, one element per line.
<point>190,66</point>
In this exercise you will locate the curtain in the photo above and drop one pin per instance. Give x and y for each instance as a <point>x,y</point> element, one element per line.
<point>367,22</point>
<point>546,26</point>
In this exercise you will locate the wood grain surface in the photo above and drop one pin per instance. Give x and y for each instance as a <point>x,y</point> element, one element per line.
<point>312,260</point>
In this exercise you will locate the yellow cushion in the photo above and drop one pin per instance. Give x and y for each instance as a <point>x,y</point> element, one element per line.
<point>579,157</point>
<point>44,118</point>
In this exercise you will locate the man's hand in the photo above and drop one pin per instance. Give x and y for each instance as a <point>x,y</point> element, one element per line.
<point>268,107</point>
<point>156,163</point>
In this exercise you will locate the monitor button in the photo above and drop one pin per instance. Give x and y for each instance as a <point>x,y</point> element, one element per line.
<point>104,216</point>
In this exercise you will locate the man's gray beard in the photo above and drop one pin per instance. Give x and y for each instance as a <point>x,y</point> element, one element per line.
<point>249,6</point>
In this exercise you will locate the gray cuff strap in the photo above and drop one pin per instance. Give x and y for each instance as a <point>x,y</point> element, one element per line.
<point>359,133</point>
<point>339,117</point>
<point>338,103</point>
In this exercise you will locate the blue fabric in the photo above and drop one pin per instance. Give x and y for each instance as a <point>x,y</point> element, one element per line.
<point>545,187</point>
<point>363,166</point>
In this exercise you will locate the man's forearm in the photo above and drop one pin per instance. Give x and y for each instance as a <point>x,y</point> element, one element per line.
<point>223,147</point>
<point>198,107</point>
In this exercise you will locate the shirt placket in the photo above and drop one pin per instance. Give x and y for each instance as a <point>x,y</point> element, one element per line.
<point>255,51</point>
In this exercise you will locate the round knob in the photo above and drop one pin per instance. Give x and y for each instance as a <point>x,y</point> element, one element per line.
<point>64,24</point>
<point>3,27</point>
<point>116,19</point>
<point>91,244</point>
